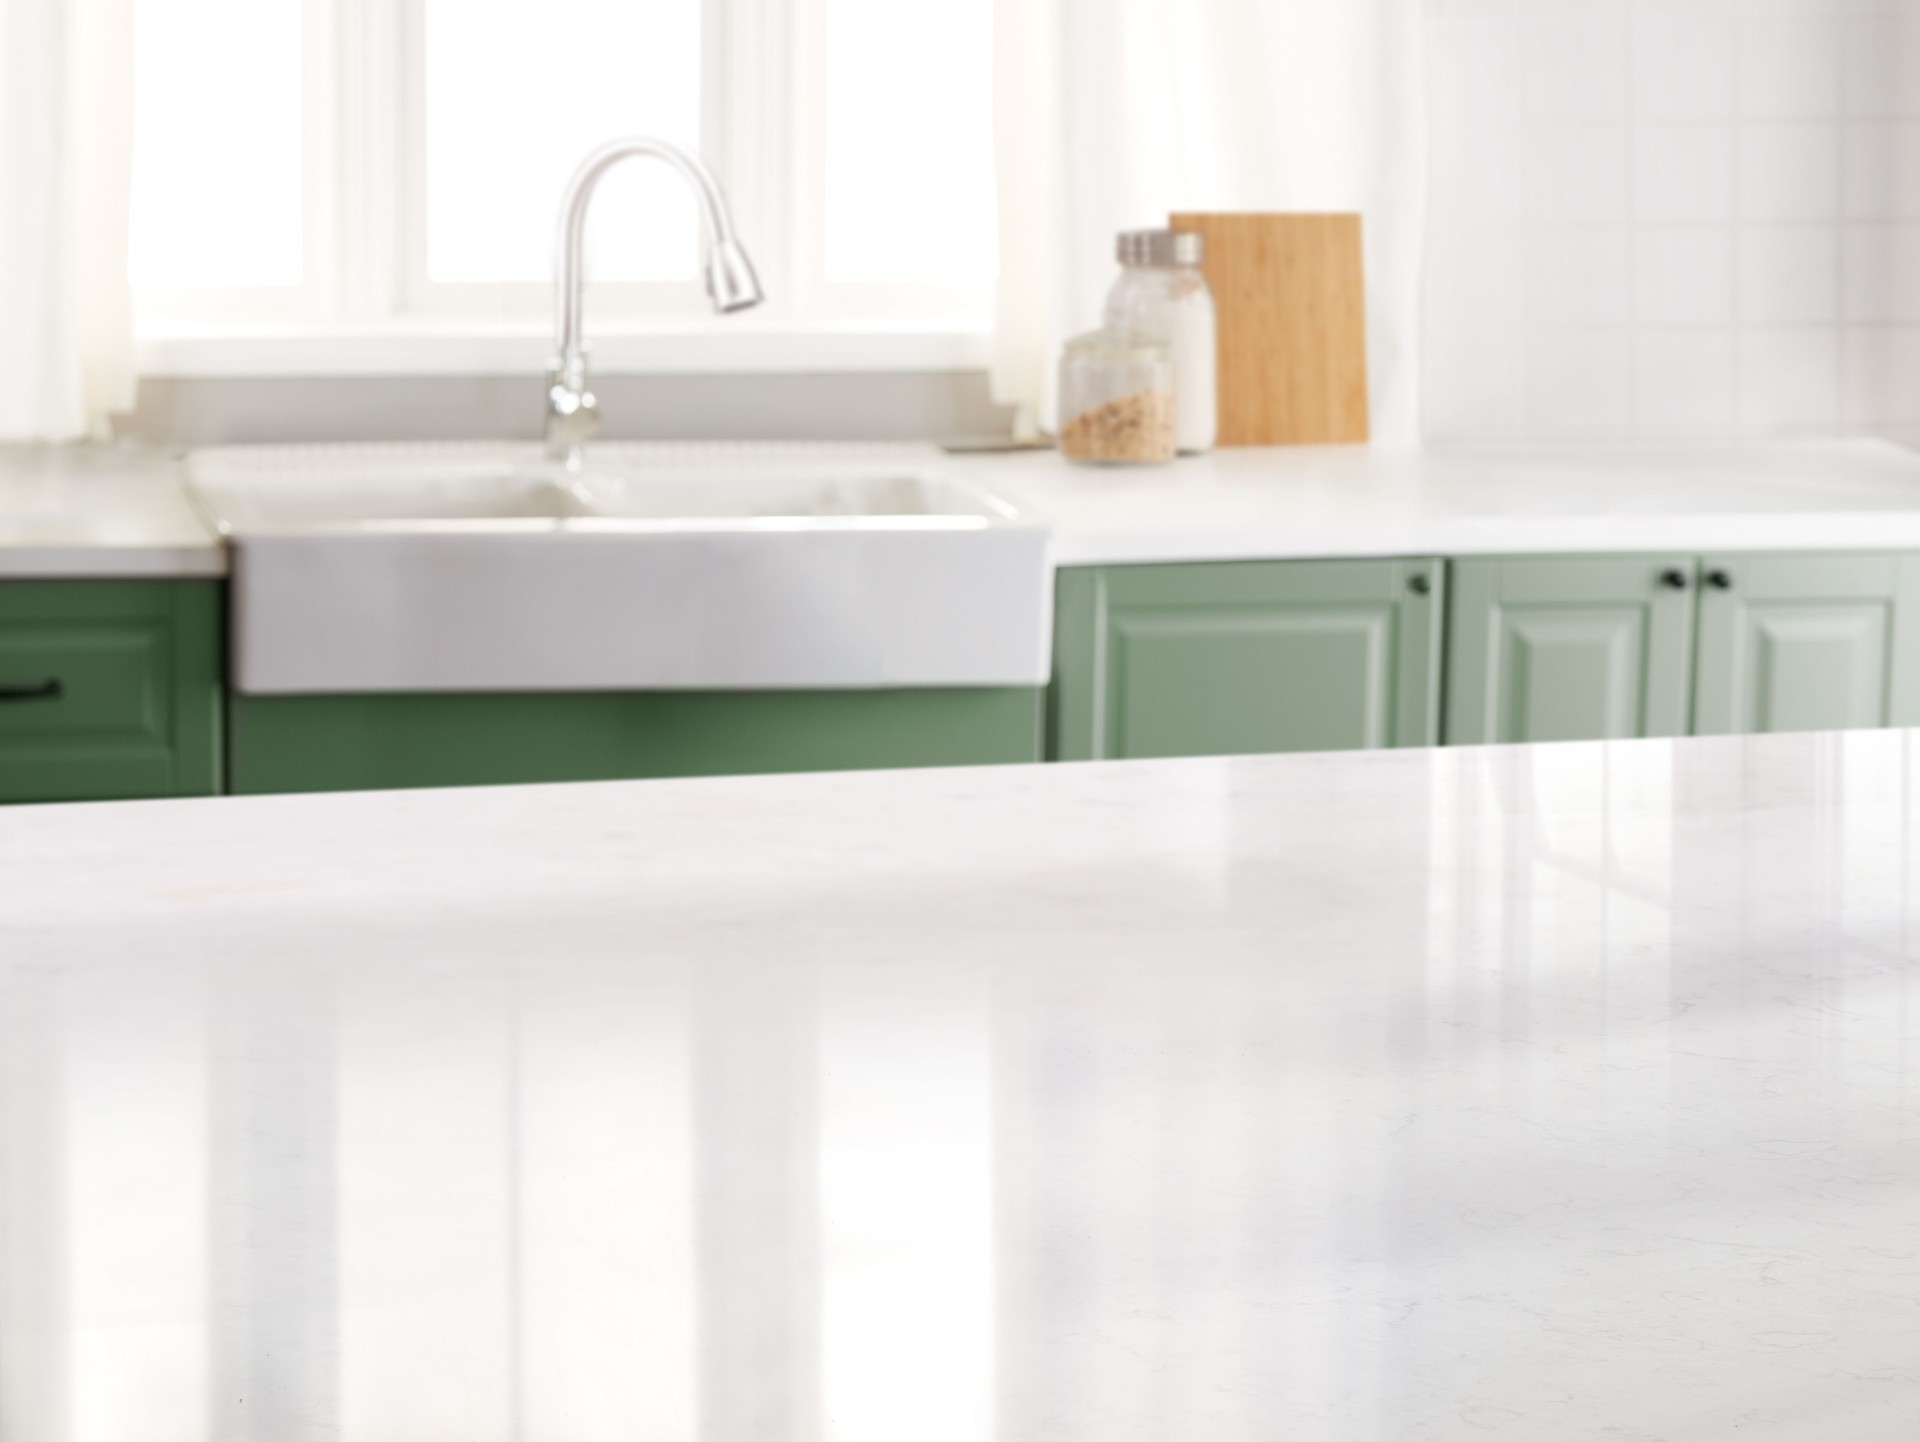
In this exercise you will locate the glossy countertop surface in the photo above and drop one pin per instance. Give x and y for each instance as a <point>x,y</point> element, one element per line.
<point>1541,1094</point>
<point>1304,502</point>
<point>77,512</point>
<point>105,511</point>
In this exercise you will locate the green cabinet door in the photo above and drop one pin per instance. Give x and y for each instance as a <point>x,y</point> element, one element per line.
<point>1808,643</point>
<point>1569,648</point>
<point>109,689</point>
<point>1231,658</point>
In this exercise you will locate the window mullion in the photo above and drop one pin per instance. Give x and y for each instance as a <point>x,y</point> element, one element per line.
<point>320,160</point>
<point>370,126</point>
<point>805,158</point>
<point>750,116</point>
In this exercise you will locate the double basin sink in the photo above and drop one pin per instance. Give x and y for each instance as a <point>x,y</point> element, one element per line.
<point>484,567</point>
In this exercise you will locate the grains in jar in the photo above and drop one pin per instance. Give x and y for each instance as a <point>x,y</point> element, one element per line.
<point>1117,404</point>
<point>1136,428</point>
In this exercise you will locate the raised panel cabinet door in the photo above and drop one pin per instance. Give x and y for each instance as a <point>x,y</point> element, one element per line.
<point>109,689</point>
<point>1239,658</point>
<point>1569,648</point>
<point>1808,643</point>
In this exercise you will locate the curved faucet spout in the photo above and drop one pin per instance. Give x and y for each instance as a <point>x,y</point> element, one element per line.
<point>572,413</point>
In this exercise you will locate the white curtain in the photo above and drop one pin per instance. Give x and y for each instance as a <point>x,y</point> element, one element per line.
<point>66,145</point>
<point>1109,114</point>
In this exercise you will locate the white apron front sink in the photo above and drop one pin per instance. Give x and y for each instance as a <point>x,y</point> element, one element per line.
<point>483,568</point>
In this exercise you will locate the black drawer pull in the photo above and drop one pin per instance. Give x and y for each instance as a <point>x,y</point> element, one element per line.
<point>1675,580</point>
<point>47,690</point>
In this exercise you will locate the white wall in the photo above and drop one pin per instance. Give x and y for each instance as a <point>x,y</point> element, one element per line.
<point>1659,218</point>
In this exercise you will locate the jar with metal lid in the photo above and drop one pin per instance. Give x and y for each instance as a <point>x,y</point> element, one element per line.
<point>1116,399</point>
<point>1163,294</point>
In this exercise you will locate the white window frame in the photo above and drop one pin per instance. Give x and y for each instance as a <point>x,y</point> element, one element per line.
<point>367,307</point>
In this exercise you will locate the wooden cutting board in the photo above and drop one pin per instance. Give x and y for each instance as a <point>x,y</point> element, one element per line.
<point>1291,293</point>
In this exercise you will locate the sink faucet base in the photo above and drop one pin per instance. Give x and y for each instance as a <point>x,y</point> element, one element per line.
<point>573,414</point>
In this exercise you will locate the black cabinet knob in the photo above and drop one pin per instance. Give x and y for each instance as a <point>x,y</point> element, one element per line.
<point>1720,580</point>
<point>1674,580</point>
<point>1419,584</point>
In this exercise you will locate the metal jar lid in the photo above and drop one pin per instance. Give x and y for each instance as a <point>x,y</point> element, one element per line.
<point>1161,247</point>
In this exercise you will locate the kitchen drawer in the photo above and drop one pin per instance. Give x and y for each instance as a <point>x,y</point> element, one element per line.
<point>109,689</point>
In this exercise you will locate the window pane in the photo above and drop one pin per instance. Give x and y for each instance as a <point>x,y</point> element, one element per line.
<point>909,166</point>
<point>216,201</point>
<point>518,91</point>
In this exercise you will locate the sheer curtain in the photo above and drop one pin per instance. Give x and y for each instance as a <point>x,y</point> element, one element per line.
<point>66,143</point>
<point>1109,114</point>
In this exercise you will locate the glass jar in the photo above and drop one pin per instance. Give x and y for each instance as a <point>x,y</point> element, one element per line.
<point>1163,294</point>
<point>1116,399</point>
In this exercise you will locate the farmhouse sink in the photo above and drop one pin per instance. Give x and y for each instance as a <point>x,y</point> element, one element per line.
<point>483,567</point>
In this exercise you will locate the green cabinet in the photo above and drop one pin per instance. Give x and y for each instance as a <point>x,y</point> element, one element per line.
<point>1230,658</point>
<point>1569,648</point>
<point>1572,648</point>
<point>113,689</point>
<point>109,689</point>
<point>357,743</point>
<point>1808,643</point>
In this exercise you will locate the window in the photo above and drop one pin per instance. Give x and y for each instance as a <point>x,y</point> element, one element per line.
<point>217,207</point>
<point>392,168</point>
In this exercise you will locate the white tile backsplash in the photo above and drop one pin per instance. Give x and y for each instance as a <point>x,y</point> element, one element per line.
<point>1882,275</point>
<point>1576,69</point>
<point>1901,394</point>
<point>1866,158</point>
<point>1683,66</point>
<point>1579,277</point>
<point>1579,382</point>
<point>1578,174</point>
<point>1477,73</point>
<point>1870,65</point>
<point>1789,66</point>
<point>1881,377</point>
<point>1880,177</point>
<point>1788,276</point>
<point>1684,380</point>
<point>1867,274</point>
<point>1902,301</point>
<point>1683,174</point>
<point>1789,172</point>
<point>1673,217</point>
<point>1790,379</point>
<point>1683,277</point>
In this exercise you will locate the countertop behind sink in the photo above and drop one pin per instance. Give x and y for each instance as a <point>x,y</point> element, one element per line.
<point>1303,503</point>
<point>121,511</point>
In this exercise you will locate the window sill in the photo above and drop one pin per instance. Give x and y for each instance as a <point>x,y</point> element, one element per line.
<point>449,348</point>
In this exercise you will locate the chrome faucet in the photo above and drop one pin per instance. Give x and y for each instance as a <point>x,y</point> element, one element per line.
<point>573,415</point>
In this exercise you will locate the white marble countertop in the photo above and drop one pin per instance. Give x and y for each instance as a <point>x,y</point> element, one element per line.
<point>70,512</point>
<point>1358,501</point>
<point>1549,1094</point>
<point>84,511</point>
